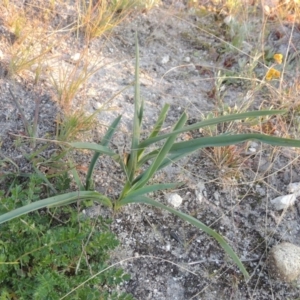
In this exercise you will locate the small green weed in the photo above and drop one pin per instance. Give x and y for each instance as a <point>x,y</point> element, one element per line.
<point>46,254</point>
<point>141,166</point>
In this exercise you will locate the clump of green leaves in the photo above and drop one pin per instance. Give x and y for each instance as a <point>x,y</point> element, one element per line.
<point>47,254</point>
<point>143,163</point>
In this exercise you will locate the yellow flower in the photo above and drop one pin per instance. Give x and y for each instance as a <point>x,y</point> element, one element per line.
<point>278,58</point>
<point>272,73</point>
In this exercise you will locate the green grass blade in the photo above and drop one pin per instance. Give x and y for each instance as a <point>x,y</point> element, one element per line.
<point>59,200</point>
<point>147,157</point>
<point>198,224</point>
<point>161,119</point>
<point>137,118</point>
<point>210,122</point>
<point>225,140</point>
<point>182,149</point>
<point>148,189</point>
<point>104,142</point>
<point>145,177</point>
<point>92,146</point>
<point>157,127</point>
<point>77,179</point>
<point>138,100</point>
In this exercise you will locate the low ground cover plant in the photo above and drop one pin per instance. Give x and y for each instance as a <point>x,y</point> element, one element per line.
<point>45,255</point>
<point>142,164</point>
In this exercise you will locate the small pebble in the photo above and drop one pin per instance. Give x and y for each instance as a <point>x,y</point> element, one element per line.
<point>175,200</point>
<point>283,202</point>
<point>200,191</point>
<point>294,188</point>
<point>75,57</point>
<point>284,262</point>
<point>97,105</point>
<point>165,59</point>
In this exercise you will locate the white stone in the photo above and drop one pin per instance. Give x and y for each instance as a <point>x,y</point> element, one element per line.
<point>229,19</point>
<point>98,105</point>
<point>254,145</point>
<point>187,59</point>
<point>200,191</point>
<point>217,195</point>
<point>75,57</point>
<point>175,200</point>
<point>294,188</point>
<point>253,150</point>
<point>284,262</point>
<point>165,59</point>
<point>283,202</point>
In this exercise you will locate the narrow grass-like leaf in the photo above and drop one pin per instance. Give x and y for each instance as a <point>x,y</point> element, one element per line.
<point>210,122</point>
<point>148,189</point>
<point>92,146</point>
<point>147,175</point>
<point>161,118</point>
<point>157,127</point>
<point>59,200</point>
<point>137,118</point>
<point>77,179</point>
<point>182,149</point>
<point>195,222</point>
<point>104,142</point>
<point>224,140</point>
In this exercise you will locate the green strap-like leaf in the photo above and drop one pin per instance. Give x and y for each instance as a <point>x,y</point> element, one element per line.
<point>147,175</point>
<point>160,120</point>
<point>195,222</point>
<point>59,200</point>
<point>137,118</point>
<point>210,122</point>
<point>104,142</point>
<point>77,179</point>
<point>157,127</point>
<point>92,146</point>
<point>148,189</point>
<point>224,140</point>
<point>182,149</point>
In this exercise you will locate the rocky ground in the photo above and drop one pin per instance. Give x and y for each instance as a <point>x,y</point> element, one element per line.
<point>184,62</point>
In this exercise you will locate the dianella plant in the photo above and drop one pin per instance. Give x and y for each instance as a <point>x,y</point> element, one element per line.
<point>142,164</point>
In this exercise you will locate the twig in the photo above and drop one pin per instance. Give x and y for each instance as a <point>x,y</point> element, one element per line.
<point>222,261</point>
